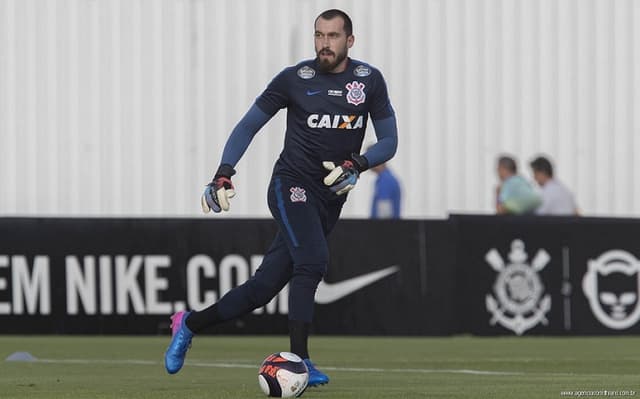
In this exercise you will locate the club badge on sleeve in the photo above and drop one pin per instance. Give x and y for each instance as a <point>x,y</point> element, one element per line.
<point>306,72</point>
<point>361,71</point>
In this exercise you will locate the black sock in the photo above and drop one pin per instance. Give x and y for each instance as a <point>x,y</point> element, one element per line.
<point>298,337</point>
<point>198,321</point>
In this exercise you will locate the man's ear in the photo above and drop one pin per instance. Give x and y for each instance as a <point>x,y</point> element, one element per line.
<point>350,40</point>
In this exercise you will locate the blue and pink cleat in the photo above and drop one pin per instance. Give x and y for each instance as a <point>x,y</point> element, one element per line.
<point>316,377</point>
<point>180,343</point>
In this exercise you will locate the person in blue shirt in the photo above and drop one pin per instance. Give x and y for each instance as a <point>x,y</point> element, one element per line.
<point>329,101</point>
<point>387,194</point>
<point>515,195</point>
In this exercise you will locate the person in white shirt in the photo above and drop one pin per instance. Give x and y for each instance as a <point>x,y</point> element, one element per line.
<point>556,198</point>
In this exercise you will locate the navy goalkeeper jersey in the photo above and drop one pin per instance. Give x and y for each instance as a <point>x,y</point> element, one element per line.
<point>327,115</point>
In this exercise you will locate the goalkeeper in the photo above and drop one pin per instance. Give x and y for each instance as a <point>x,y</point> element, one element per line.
<point>329,100</point>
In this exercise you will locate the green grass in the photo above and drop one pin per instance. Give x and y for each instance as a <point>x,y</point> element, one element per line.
<point>359,367</point>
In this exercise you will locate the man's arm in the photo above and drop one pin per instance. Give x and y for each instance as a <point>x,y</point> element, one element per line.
<point>384,121</point>
<point>387,134</point>
<point>272,99</point>
<point>342,178</point>
<point>242,135</point>
<point>217,193</point>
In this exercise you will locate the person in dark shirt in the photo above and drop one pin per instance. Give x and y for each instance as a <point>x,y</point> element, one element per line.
<point>329,101</point>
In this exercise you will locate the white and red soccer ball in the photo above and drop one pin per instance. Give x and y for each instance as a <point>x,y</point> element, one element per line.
<point>283,375</point>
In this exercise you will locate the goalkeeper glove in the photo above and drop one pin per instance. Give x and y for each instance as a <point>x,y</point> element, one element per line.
<point>344,177</point>
<point>217,193</point>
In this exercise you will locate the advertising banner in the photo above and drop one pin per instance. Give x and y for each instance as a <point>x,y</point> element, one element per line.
<point>129,275</point>
<point>533,275</point>
<point>482,275</point>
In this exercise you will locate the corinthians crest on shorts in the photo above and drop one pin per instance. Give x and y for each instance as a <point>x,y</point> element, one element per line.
<point>355,94</point>
<point>298,194</point>
<point>518,304</point>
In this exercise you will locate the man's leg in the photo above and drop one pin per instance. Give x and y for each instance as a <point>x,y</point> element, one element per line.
<point>272,275</point>
<point>299,330</point>
<point>302,219</point>
<point>268,280</point>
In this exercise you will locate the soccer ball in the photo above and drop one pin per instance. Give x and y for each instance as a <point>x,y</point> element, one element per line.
<point>283,375</point>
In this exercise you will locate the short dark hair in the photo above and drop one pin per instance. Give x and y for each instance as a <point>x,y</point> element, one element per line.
<point>508,163</point>
<point>333,13</point>
<point>542,164</point>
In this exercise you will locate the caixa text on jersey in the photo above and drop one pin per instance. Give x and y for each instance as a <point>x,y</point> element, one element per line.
<point>326,121</point>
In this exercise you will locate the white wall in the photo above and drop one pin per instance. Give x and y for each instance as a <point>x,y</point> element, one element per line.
<point>122,107</point>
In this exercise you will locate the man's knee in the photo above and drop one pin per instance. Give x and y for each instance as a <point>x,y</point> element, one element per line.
<point>309,274</point>
<point>260,293</point>
<point>315,257</point>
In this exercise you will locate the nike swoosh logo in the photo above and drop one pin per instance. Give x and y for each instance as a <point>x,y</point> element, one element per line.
<point>313,93</point>
<point>328,293</point>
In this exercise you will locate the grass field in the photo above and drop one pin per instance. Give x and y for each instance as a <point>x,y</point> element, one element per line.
<point>359,367</point>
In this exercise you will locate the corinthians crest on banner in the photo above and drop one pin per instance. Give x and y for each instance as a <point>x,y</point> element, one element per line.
<point>518,303</point>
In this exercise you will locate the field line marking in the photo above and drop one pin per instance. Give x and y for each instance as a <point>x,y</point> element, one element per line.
<point>251,366</point>
<point>98,361</point>
<point>423,371</point>
<point>329,368</point>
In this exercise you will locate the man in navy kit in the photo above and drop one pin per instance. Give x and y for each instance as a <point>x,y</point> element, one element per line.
<point>328,101</point>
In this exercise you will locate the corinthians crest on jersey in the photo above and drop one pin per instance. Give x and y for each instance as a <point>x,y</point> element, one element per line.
<point>355,93</point>
<point>519,304</point>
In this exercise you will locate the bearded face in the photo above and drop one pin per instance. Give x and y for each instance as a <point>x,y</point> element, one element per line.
<point>331,44</point>
<point>328,59</point>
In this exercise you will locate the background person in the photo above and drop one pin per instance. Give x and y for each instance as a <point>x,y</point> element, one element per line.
<point>556,198</point>
<point>514,193</point>
<point>387,194</point>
